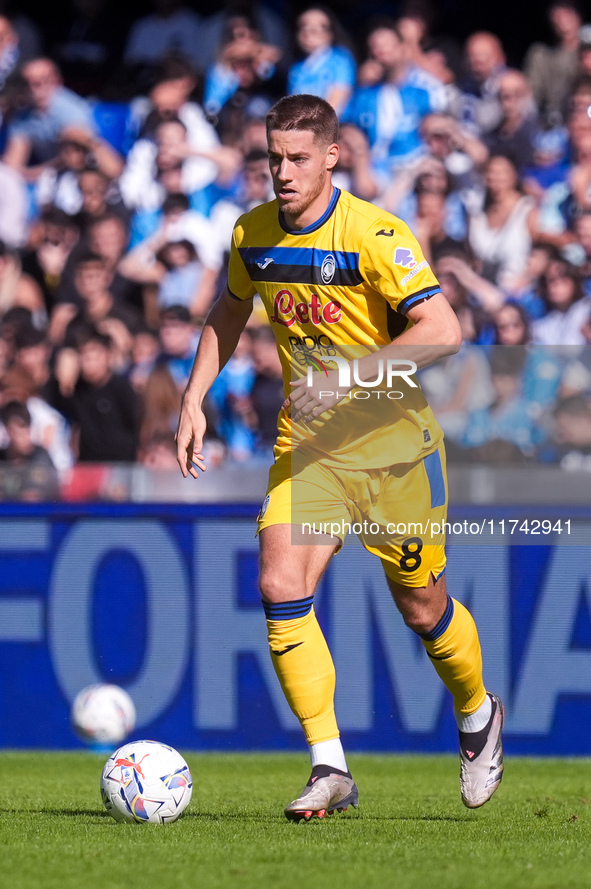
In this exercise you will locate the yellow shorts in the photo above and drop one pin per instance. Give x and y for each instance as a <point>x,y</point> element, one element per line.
<point>397,512</point>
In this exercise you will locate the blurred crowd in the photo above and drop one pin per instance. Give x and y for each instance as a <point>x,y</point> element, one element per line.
<point>126,156</point>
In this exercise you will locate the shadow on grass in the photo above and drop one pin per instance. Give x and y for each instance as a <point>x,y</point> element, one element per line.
<point>69,813</point>
<point>338,819</point>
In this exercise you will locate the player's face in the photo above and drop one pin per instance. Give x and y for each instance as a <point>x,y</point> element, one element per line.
<point>300,167</point>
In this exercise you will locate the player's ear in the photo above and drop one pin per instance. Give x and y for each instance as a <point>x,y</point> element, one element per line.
<point>332,156</point>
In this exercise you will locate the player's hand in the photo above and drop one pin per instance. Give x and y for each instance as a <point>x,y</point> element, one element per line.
<point>306,402</point>
<point>189,439</point>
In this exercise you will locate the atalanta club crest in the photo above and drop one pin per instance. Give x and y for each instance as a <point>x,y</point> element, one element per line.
<point>327,269</point>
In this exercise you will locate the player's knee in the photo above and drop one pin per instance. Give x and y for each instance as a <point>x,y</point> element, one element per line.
<point>275,586</point>
<point>418,617</point>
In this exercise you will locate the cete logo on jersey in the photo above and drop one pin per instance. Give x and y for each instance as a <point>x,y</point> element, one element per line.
<point>327,269</point>
<point>286,311</point>
<point>404,258</point>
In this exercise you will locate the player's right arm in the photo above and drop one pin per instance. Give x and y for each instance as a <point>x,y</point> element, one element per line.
<point>224,324</point>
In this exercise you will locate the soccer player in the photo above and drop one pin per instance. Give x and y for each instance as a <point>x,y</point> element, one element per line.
<point>335,272</point>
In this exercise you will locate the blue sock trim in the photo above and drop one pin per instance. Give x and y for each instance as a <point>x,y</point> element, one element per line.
<point>440,627</point>
<point>288,610</point>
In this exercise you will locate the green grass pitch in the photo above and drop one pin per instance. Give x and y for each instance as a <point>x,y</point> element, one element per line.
<point>410,832</point>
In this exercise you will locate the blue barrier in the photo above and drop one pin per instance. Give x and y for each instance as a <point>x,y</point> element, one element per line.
<point>163,601</point>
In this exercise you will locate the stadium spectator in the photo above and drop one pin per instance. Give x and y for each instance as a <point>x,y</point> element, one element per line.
<point>32,353</point>
<point>144,352</point>
<point>37,477</point>
<point>462,153</point>
<point>354,171</point>
<point>505,431</point>
<point>30,39</point>
<point>580,172</point>
<point>49,428</point>
<point>430,222</point>
<point>160,406</point>
<point>170,97</point>
<point>171,27</point>
<point>230,400</point>
<point>473,298</point>
<point>107,236</point>
<point>18,288</point>
<point>552,70</point>
<point>252,189</point>
<point>568,307</point>
<point>501,234</point>
<point>103,408</point>
<point>33,136</point>
<point>546,180</point>
<point>59,183</point>
<point>181,258</point>
<point>515,134</point>
<point>389,112</point>
<point>576,378</point>
<point>95,304</point>
<point>242,83</point>
<point>251,15</point>
<point>10,54</point>
<point>542,369</point>
<point>53,237</point>
<point>478,107</point>
<point>524,290</point>
<point>583,233</point>
<point>178,340</point>
<point>14,224</point>
<point>143,184</point>
<point>327,68</point>
<point>571,440</point>
<point>266,394</point>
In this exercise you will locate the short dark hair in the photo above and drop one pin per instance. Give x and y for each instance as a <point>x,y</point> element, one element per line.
<point>175,201</point>
<point>15,410</point>
<point>574,405</point>
<point>28,337</point>
<point>304,112</point>
<point>175,313</point>
<point>255,155</point>
<point>89,258</point>
<point>507,360</point>
<point>92,335</point>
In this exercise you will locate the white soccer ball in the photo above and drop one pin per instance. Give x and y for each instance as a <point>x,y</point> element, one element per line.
<point>103,714</point>
<point>146,781</point>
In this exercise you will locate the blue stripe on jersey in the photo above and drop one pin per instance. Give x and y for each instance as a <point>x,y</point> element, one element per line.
<point>440,628</point>
<point>302,265</point>
<point>409,301</point>
<point>288,610</point>
<point>436,481</point>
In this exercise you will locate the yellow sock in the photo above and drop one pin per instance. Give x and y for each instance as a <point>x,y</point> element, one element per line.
<point>454,648</point>
<point>304,666</point>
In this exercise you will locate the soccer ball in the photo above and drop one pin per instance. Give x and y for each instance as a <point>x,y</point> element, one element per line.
<point>146,781</point>
<point>103,714</point>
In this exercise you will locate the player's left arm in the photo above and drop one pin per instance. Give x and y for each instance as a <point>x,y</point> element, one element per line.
<point>435,333</point>
<point>394,266</point>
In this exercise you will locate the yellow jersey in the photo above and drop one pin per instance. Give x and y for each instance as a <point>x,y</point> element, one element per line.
<point>341,286</point>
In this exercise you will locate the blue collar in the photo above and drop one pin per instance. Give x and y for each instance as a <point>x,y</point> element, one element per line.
<point>336,193</point>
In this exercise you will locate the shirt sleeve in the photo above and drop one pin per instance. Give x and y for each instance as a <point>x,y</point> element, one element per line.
<point>239,282</point>
<point>392,262</point>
